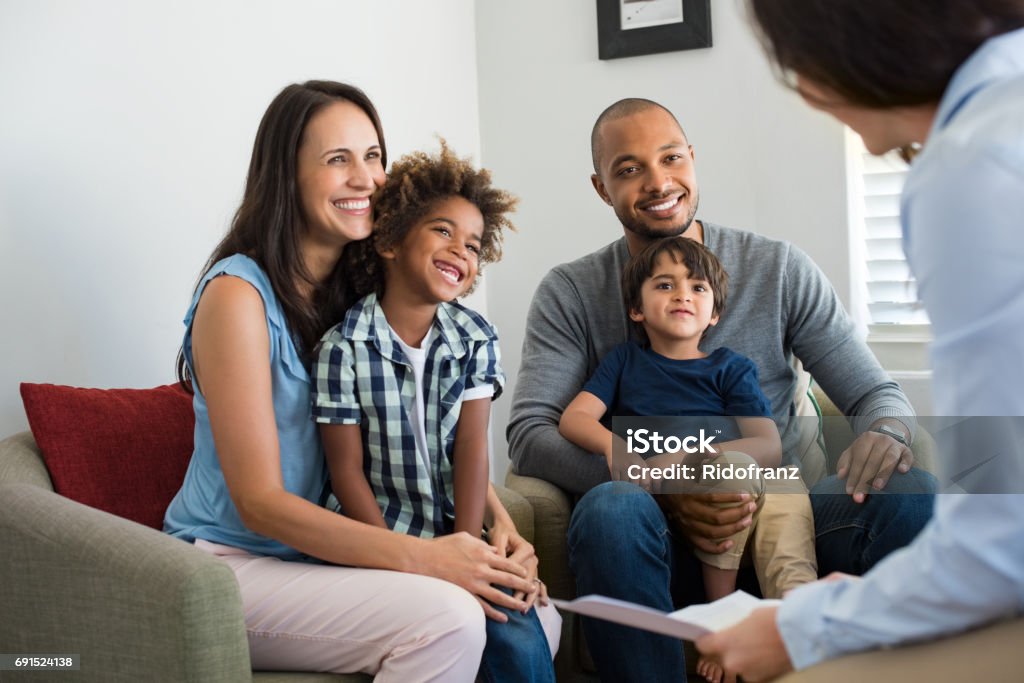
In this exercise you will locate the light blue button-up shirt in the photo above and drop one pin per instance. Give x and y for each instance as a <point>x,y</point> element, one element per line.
<point>963,230</point>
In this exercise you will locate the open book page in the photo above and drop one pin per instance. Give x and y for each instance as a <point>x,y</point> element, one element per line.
<point>689,623</point>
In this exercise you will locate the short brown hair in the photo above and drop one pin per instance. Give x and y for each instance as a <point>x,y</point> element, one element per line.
<point>414,185</point>
<point>698,259</point>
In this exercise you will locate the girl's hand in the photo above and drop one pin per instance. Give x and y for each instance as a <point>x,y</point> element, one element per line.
<point>511,544</point>
<point>479,568</point>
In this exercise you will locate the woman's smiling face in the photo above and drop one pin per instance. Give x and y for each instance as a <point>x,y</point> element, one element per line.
<point>338,168</point>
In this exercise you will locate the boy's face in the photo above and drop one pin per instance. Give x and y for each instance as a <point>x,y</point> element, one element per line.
<point>439,257</point>
<point>675,307</point>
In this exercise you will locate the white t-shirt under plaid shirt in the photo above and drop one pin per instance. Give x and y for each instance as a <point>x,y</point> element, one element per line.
<point>362,376</point>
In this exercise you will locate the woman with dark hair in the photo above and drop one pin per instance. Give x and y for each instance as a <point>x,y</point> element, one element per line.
<point>253,488</point>
<point>945,77</point>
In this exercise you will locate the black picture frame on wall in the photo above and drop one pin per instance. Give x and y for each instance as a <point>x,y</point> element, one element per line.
<point>692,32</point>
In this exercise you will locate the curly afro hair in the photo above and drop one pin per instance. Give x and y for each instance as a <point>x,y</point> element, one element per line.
<point>415,184</point>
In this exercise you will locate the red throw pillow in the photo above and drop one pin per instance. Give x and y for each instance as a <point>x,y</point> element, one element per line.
<point>124,451</point>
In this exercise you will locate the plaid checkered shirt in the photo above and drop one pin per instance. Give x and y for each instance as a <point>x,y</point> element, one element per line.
<point>363,377</point>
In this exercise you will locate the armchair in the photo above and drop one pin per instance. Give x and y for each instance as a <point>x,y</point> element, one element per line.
<point>552,509</point>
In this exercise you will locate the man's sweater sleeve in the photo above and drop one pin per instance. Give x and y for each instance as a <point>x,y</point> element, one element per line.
<point>553,370</point>
<point>826,342</point>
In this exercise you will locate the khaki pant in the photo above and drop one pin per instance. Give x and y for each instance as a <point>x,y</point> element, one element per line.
<point>731,558</point>
<point>783,541</point>
<point>782,546</point>
<point>780,542</point>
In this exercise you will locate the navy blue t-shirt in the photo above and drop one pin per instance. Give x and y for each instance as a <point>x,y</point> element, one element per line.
<point>636,381</point>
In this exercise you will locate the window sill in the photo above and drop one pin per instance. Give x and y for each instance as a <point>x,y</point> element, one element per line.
<point>900,334</point>
<point>900,348</point>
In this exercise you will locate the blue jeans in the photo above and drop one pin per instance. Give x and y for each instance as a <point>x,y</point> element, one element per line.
<point>852,537</point>
<point>516,651</point>
<point>620,545</point>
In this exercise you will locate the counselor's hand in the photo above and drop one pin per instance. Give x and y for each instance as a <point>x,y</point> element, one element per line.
<point>699,518</point>
<point>752,648</point>
<point>478,567</point>
<point>870,461</point>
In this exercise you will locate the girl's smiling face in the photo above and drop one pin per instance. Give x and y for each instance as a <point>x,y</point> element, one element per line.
<point>438,259</point>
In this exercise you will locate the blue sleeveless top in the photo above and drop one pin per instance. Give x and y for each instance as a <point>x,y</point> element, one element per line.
<point>203,508</point>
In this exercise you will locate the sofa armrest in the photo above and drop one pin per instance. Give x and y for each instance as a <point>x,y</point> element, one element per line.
<point>991,653</point>
<point>551,511</point>
<point>134,603</point>
<point>519,510</point>
<point>21,462</point>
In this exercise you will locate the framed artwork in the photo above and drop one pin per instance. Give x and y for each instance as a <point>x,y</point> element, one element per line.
<point>627,28</point>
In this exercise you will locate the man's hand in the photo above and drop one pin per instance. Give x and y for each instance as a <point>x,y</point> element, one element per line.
<point>870,461</point>
<point>701,519</point>
<point>752,648</point>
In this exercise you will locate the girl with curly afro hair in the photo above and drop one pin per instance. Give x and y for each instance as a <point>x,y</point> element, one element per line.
<point>404,383</point>
<point>416,183</point>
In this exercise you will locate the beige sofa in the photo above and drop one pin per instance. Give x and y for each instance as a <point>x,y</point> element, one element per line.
<point>134,603</point>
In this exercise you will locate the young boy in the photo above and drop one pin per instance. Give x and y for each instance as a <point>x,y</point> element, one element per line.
<point>403,384</point>
<point>675,290</point>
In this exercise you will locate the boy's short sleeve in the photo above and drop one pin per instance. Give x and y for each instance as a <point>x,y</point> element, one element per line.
<point>604,383</point>
<point>484,370</point>
<point>334,382</point>
<point>743,395</point>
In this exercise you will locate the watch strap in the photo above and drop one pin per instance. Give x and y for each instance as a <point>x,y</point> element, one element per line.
<point>892,433</point>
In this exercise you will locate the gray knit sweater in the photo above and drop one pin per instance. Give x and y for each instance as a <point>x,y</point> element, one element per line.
<point>780,304</point>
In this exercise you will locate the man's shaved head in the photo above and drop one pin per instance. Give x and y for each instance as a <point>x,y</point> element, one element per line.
<point>620,110</point>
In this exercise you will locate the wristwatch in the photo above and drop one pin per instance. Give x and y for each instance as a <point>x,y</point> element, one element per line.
<point>894,433</point>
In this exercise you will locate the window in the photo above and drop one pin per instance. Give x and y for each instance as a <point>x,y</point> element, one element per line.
<point>885,285</point>
<point>884,295</point>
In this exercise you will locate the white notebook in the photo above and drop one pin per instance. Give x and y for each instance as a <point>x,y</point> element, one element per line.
<point>689,623</point>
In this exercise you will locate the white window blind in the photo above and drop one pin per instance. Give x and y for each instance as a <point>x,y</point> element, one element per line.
<point>891,291</point>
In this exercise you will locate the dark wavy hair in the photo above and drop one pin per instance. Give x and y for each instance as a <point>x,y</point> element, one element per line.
<point>699,261</point>
<point>879,54</point>
<point>414,185</point>
<point>268,224</point>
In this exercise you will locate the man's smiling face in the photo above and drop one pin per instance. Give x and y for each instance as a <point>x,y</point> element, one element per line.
<point>646,173</point>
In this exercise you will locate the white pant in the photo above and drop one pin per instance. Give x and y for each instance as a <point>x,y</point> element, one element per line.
<point>395,626</point>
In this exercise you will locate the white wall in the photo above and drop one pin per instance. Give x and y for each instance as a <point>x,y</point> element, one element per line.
<point>126,129</point>
<point>765,161</point>
<point>125,134</point>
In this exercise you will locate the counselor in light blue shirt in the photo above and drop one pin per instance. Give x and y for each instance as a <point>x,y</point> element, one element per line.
<point>897,73</point>
<point>963,225</point>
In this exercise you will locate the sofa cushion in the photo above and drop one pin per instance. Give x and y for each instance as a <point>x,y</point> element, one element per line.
<point>123,451</point>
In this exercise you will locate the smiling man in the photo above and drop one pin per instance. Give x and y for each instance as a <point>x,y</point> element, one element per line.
<point>781,306</point>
